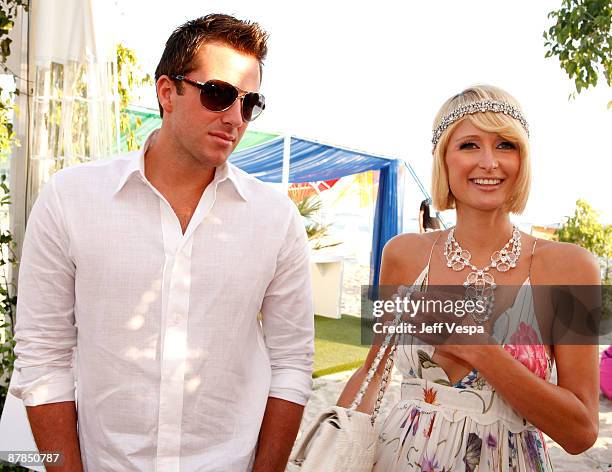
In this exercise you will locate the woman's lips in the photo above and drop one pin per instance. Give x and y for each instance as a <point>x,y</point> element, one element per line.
<point>487,184</point>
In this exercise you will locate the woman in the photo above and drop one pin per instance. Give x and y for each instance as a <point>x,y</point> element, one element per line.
<point>426,221</point>
<point>484,407</point>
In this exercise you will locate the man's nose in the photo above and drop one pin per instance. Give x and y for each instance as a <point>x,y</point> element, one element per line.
<point>233,115</point>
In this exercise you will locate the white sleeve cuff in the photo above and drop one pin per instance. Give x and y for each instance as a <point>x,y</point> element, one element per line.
<point>291,385</point>
<point>52,387</point>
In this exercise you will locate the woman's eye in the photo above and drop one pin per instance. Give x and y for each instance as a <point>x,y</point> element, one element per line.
<point>468,145</point>
<point>506,145</point>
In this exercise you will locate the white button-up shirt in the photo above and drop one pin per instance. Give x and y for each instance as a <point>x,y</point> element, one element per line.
<point>173,363</point>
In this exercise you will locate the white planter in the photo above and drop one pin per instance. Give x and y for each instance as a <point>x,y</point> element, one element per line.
<point>327,284</point>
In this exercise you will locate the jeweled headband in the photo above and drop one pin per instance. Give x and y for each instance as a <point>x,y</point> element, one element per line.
<point>478,107</point>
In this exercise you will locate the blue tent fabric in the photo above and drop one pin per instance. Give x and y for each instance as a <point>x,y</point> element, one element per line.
<point>311,161</point>
<point>264,161</point>
<point>388,215</point>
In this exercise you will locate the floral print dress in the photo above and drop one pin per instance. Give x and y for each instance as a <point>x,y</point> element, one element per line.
<point>465,427</point>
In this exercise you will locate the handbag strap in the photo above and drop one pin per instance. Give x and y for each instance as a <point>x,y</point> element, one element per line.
<point>389,340</point>
<point>383,383</point>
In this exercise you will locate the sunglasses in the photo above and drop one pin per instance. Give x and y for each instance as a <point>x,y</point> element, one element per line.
<point>218,96</point>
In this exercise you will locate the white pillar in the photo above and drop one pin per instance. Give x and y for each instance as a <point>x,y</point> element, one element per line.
<point>286,163</point>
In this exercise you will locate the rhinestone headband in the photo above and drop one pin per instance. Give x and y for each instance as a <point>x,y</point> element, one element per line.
<point>478,107</point>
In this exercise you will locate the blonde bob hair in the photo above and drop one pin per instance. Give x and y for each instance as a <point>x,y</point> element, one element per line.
<point>504,125</point>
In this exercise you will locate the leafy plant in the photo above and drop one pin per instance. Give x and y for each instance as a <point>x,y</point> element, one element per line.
<point>580,38</point>
<point>7,301</point>
<point>130,77</point>
<point>8,13</point>
<point>310,207</point>
<point>7,135</point>
<point>584,229</point>
<point>9,10</point>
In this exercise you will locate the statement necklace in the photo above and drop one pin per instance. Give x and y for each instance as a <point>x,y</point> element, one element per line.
<point>480,283</point>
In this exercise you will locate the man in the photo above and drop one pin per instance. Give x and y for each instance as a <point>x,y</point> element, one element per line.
<point>156,266</point>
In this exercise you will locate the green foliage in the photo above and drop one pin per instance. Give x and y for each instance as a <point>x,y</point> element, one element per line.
<point>607,253</point>
<point>7,300</point>
<point>7,136</point>
<point>309,208</point>
<point>580,38</point>
<point>8,13</point>
<point>585,229</point>
<point>7,467</point>
<point>130,77</point>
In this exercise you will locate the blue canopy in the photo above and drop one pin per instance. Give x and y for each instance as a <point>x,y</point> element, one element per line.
<point>312,161</point>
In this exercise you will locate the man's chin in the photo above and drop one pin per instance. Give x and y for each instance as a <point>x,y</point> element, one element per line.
<point>222,159</point>
<point>215,156</point>
<point>214,160</point>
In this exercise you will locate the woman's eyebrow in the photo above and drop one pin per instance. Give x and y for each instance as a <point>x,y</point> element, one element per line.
<point>469,136</point>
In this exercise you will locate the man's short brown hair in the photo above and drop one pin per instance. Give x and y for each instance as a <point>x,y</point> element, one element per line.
<point>184,43</point>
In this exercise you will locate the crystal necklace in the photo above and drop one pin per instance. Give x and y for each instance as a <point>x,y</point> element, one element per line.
<point>480,283</point>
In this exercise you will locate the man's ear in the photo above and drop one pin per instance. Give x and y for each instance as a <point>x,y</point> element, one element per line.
<point>165,93</point>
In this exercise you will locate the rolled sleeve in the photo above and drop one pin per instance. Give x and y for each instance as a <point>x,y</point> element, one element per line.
<point>288,319</point>
<point>45,331</point>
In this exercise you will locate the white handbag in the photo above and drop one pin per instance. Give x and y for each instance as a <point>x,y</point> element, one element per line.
<point>338,440</point>
<point>344,439</point>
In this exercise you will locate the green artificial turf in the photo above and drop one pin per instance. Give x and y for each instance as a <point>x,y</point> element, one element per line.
<point>338,345</point>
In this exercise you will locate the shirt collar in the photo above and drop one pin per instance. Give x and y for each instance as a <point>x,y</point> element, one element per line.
<point>227,171</point>
<point>135,166</point>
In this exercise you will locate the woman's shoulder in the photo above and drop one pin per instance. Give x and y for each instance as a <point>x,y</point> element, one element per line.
<point>560,263</point>
<point>411,243</point>
<point>405,256</point>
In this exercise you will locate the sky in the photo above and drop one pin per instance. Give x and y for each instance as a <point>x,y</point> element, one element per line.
<point>372,75</point>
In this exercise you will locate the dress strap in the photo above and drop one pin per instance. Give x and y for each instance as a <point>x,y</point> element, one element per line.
<point>531,261</point>
<point>426,281</point>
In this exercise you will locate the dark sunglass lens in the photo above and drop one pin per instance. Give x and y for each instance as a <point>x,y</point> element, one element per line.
<point>217,95</point>
<point>252,106</point>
